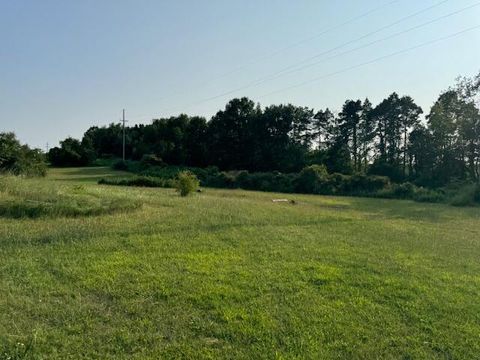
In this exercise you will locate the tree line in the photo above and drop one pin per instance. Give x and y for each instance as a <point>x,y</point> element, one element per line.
<point>388,139</point>
<point>20,159</point>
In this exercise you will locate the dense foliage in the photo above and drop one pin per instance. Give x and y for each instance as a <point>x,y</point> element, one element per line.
<point>312,179</point>
<point>18,159</point>
<point>186,183</point>
<point>388,139</point>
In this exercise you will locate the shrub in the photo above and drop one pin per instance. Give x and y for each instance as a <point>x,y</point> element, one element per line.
<point>467,195</point>
<point>71,153</point>
<point>104,162</point>
<point>363,184</point>
<point>120,165</point>
<point>30,163</point>
<point>169,172</point>
<point>313,179</point>
<point>187,183</point>
<point>151,160</point>
<point>382,168</point>
<point>220,180</point>
<point>428,195</point>
<point>140,181</point>
<point>310,179</point>
<point>404,191</point>
<point>18,159</point>
<point>476,195</point>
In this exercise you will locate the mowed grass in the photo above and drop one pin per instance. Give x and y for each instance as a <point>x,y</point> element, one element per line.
<point>230,274</point>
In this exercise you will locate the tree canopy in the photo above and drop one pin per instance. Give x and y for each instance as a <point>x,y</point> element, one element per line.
<point>388,139</point>
<point>18,159</point>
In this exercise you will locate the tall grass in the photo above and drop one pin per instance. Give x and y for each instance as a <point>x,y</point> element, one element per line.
<point>232,274</point>
<point>23,198</point>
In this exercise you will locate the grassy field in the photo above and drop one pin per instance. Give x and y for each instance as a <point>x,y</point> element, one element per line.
<point>109,272</point>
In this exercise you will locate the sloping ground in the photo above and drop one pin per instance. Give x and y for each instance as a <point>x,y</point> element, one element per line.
<point>230,274</point>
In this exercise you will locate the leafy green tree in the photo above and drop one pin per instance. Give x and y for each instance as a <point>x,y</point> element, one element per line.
<point>322,127</point>
<point>409,114</point>
<point>421,155</point>
<point>19,159</point>
<point>282,138</point>
<point>271,139</point>
<point>229,135</point>
<point>338,158</point>
<point>195,142</point>
<point>468,90</point>
<point>366,134</point>
<point>70,153</point>
<point>349,127</point>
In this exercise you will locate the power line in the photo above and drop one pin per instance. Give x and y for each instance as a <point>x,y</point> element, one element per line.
<point>298,43</point>
<point>296,68</point>
<point>383,39</point>
<point>313,37</point>
<point>372,61</point>
<point>276,74</point>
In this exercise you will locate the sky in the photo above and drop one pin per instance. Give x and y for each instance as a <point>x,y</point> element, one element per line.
<point>69,65</point>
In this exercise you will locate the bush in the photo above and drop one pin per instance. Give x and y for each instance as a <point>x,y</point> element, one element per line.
<point>382,168</point>
<point>18,159</point>
<point>468,195</point>
<point>363,184</point>
<point>428,195</point>
<point>476,195</point>
<point>311,178</point>
<point>404,191</point>
<point>71,153</point>
<point>151,160</point>
<point>169,172</point>
<point>267,181</point>
<point>104,162</point>
<point>120,165</point>
<point>212,178</point>
<point>187,183</point>
<point>140,181</point>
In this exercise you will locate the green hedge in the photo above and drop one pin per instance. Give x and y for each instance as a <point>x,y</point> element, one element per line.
<point>311,180</point>
<point>139,181</point>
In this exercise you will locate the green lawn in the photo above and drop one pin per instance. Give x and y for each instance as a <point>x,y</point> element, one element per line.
<point>230,274</point>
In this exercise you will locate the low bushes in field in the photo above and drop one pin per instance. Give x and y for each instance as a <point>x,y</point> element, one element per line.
<point>120,165</point>
<point>409,191</point>
<point>313,179</point>
<point>266,181</point>
<point>140,181</point>
<point>149,160</point>
<point>22,198</point>
<point>467,195</point>
<point>186,183</point>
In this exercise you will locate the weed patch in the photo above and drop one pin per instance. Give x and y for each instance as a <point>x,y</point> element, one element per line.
<point>22,198</point>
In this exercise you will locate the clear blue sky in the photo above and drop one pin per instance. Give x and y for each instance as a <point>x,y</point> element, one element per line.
<point>68,65</point>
